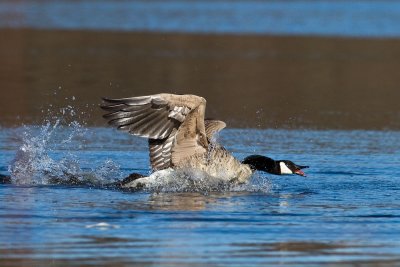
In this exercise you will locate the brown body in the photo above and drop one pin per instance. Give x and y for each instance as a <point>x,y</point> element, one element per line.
<point>179,136</point>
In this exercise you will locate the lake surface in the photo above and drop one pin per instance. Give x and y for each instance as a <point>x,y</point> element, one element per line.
<point>346,212</point>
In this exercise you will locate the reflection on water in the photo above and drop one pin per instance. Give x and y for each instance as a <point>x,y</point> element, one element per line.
<point>193,201</point>
<point>257,81</point>
<point>225,229</point>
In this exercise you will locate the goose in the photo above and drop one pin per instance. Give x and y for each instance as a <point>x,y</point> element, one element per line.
<point>180,138</point>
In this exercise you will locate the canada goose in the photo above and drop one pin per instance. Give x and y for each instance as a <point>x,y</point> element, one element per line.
<point>180,138</point>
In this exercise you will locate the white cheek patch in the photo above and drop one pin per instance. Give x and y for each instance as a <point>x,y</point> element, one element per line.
<point>284,168</point>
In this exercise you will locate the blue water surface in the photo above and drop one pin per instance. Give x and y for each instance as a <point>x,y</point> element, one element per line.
<point>361,18</point>
<point>347,211</point>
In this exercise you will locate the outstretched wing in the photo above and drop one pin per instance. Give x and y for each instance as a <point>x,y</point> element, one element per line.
<point>212,127</point>
<point>160,152</point>
<point>146,116</point>
<point>174,124</point>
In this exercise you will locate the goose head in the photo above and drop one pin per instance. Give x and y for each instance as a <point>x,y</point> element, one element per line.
<point>278,167</point>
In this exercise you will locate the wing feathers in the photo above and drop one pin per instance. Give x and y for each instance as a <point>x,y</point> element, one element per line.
<point>139,100</point>
<point>146,116</point>
<point>160,117</point>
<point>213,126</point>
<point>160,152</point>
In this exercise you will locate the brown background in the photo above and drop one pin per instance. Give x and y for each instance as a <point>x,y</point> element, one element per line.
<point>248,81</point>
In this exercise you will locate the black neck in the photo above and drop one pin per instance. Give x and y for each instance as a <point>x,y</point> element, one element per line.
<point>262,163</point>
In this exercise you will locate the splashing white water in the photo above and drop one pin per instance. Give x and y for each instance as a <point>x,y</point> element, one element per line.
<point>35,163</point>
<point>190,180</point>
<point>32,162</point>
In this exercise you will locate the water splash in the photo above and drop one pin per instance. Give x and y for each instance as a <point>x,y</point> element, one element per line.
<point>36,163</point>
<point>107,172</point>
<point>191,180</point>
<point>32,163</point>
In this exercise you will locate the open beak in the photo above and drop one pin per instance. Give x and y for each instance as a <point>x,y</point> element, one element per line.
<point>300,172</point>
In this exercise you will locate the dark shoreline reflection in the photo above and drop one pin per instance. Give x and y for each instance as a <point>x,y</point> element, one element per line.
<point>248,81</point>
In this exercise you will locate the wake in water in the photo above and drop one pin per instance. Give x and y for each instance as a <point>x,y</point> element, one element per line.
<point>47,156</point>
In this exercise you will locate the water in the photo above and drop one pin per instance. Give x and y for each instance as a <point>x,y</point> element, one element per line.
<point>70,53</point>
<point>347,211</point>
<point>330,18</point>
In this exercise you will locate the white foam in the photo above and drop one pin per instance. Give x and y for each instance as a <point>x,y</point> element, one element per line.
<point>190,180</point>
<point>34,163</point>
